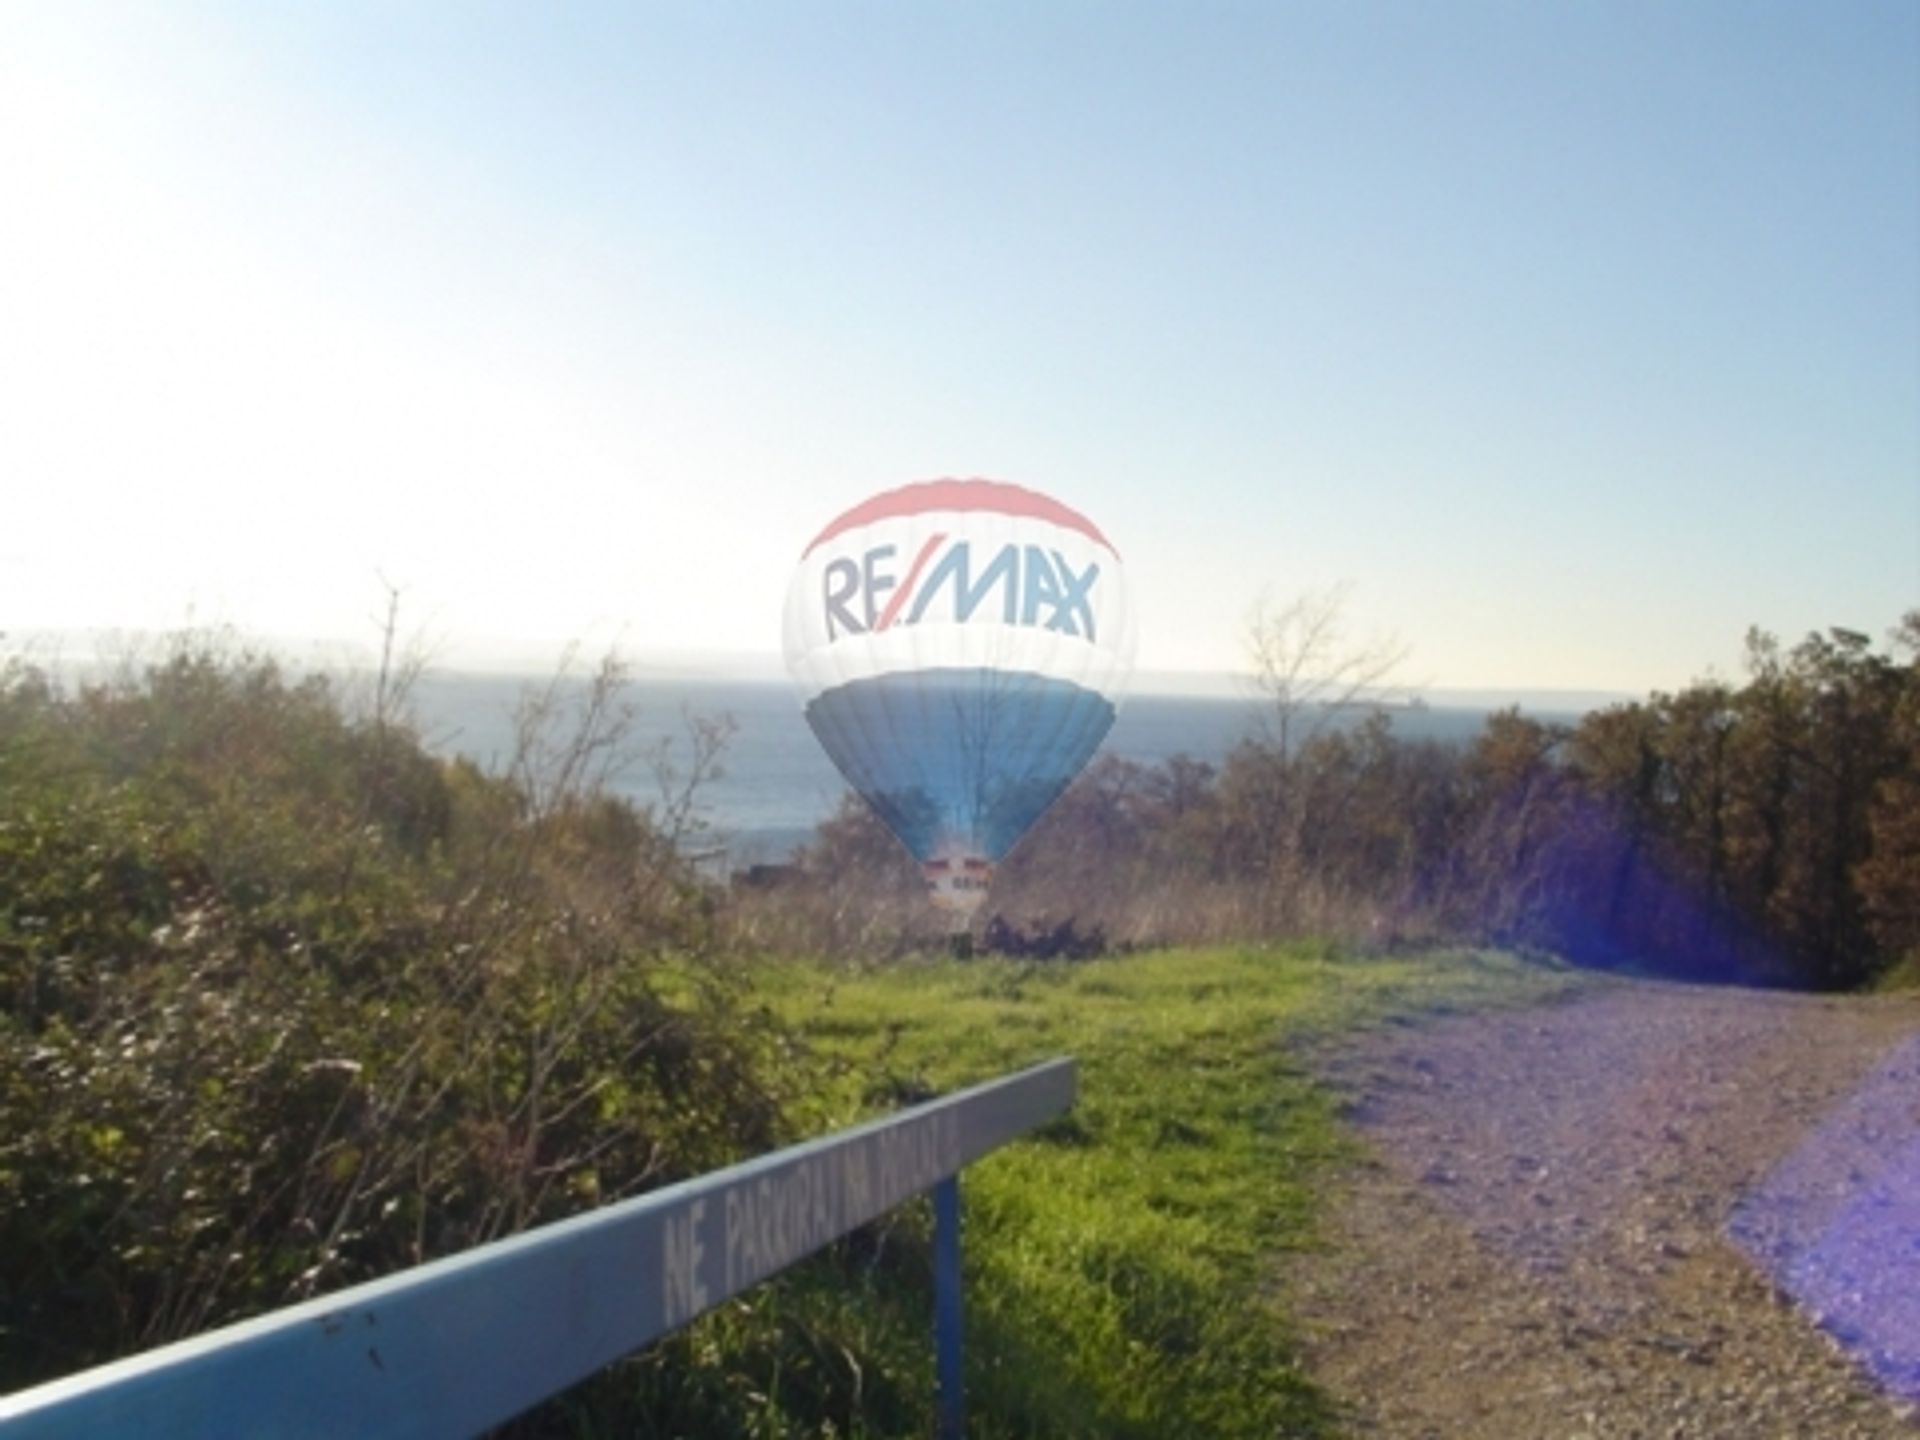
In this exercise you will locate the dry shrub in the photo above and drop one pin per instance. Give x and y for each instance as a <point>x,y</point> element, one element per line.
<point>287,1003</point>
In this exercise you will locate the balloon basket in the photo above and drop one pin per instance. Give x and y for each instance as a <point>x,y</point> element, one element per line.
<point>957,885</point>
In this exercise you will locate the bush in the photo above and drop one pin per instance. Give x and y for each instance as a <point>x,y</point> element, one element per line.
<point>287,1003</point>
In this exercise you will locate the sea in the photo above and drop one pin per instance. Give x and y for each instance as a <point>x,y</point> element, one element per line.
<point>776,784</point>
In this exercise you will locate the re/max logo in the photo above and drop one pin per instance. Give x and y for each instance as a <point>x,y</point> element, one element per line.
<point>1027,585</point>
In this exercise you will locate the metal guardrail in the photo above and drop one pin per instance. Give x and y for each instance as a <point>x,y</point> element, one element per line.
<point>453,1347</point>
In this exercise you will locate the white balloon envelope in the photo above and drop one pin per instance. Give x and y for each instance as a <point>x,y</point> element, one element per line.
<point>960,648</point>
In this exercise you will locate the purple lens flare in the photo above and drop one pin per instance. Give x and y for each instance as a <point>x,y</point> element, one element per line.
<point>1837,1223</point>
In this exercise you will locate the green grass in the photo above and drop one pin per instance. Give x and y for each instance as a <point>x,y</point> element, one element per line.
<point>1118,1264</point>
<point>1903,974</point>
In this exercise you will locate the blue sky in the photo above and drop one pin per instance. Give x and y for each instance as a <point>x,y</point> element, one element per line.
<point>1575,338</point>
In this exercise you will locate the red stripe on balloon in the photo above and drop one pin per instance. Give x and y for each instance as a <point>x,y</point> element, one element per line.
<point>906,586</point>
<point>963,495</point>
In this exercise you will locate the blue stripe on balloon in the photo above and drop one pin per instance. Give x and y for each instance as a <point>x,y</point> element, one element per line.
<point>971,756</point>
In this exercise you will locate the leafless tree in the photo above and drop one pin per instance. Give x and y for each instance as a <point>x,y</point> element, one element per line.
<point>1310,671</point>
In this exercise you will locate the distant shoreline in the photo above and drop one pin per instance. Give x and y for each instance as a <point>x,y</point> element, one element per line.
<point>88,652</point>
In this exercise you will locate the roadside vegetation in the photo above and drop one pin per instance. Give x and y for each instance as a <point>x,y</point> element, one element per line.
<point>287,1003</point>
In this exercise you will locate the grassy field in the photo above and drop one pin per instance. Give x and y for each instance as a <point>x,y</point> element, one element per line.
<point>1117,1264</point>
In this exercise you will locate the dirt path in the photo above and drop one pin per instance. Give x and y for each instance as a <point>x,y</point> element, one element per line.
<point>1621,1216</point>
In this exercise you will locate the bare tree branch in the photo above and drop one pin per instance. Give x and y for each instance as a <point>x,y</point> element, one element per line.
<point>1309,671</point>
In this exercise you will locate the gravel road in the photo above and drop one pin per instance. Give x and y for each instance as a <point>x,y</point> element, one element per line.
<point>1646,1211</point>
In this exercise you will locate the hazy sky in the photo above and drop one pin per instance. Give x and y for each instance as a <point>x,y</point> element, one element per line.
<point>1577,336</point>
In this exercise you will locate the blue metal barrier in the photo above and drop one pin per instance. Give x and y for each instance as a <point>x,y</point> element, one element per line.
<point>453,1347</point>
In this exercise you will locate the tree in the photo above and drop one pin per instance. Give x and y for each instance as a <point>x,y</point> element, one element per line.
<point>1889,878</point>
<point>1309,674</point>
<point>1309,671</point>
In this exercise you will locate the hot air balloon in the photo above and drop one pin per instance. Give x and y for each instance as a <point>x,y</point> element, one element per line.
<point>960,646</point>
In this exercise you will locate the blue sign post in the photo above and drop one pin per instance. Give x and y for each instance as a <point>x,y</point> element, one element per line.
<point>946,1305</point>
<point>461,1344</point>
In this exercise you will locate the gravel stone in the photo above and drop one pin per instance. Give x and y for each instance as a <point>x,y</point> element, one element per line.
<point>1539,1243</point>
